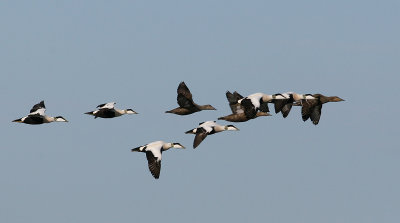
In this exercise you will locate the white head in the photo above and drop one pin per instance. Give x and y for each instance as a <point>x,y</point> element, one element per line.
<point>231,128</point>
<point>170,145</point>
<point>177,145</point>
<point>60,119</point>
<point>130,111</point>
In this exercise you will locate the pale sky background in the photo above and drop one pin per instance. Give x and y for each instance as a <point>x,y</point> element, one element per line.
<point>75,55</point>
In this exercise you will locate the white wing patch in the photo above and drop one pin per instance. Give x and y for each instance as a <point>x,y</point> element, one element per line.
<point>40,111</point>
<point>109,105</point>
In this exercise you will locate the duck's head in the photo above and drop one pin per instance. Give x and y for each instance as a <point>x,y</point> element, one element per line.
<point>231,128</point>
<point>60,119</point>
<point>336,99</point>
<point>130,111</point>
<point>177,145</point>
<point>208,107</point>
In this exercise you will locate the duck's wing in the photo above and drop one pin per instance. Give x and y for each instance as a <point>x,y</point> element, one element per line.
<point>315,114</point>
<point>154,165</point>
<point>38,108</point>
<point>184,90</point>
<point>201,134</point>
<point>279,104</point>
<point>286,109</point>
<point>109,105</point>
<point>264,107</point>
<point>307,108</point>
<point>237,95</point>
<point>249,109</point>
<point>101,105</point>
<point>184,97</point>
<point>233,99</point>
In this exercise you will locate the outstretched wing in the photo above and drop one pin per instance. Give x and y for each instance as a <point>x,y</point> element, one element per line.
<point>307,107</point>
<point>279,104</point>
<point>201,134</point>
<point>264,107</point>
<point>315,114</point>
<point>286,109</point>
<point>184,90</point>
<point>184,97</point>
<point>109,105</point>
<point>39,108</point>
<point>249,109</point>
<point>233,99</point>
<point>154,165</point>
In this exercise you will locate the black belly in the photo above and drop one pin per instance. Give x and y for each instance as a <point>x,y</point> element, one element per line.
<point>34,120</point>
<point>106,113</point>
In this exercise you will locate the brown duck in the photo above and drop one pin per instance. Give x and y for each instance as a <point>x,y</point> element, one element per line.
<point>185,102</point>
<point>311,108</point>
<point>239,113</point>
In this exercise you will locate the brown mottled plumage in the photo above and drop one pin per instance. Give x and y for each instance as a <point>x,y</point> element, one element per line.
<point>186,103</point>
<point>311,108</point>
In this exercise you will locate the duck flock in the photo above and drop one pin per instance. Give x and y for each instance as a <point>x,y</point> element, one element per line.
<point>243,109</point>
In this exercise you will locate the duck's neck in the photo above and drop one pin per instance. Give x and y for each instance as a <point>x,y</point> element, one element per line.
<point>119,112</point>
<point>266,97</point>
<point>166,146</point>
<point>219,128</point>
<point>49,119</point>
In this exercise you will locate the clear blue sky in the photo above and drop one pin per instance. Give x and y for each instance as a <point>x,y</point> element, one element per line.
<point>78,54</point>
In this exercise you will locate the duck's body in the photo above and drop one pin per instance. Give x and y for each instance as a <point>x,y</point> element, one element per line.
<point>186,103</point>
<point>208,128</point>
<point>153,152</point>
<point>37,116</point>
<point>256,102</point>
<point>108,110</point>
<point>241,112</point>
<point>312,107</point>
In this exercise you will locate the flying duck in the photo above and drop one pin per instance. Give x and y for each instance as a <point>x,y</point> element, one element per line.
<point>208,128</point>
<point>312,106</point>
<point>37,116</point>
<point>185,102</point>
<point>108,110</point>
<point>153,152</point>
<point>239,113</point>
<point>283,103</point>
